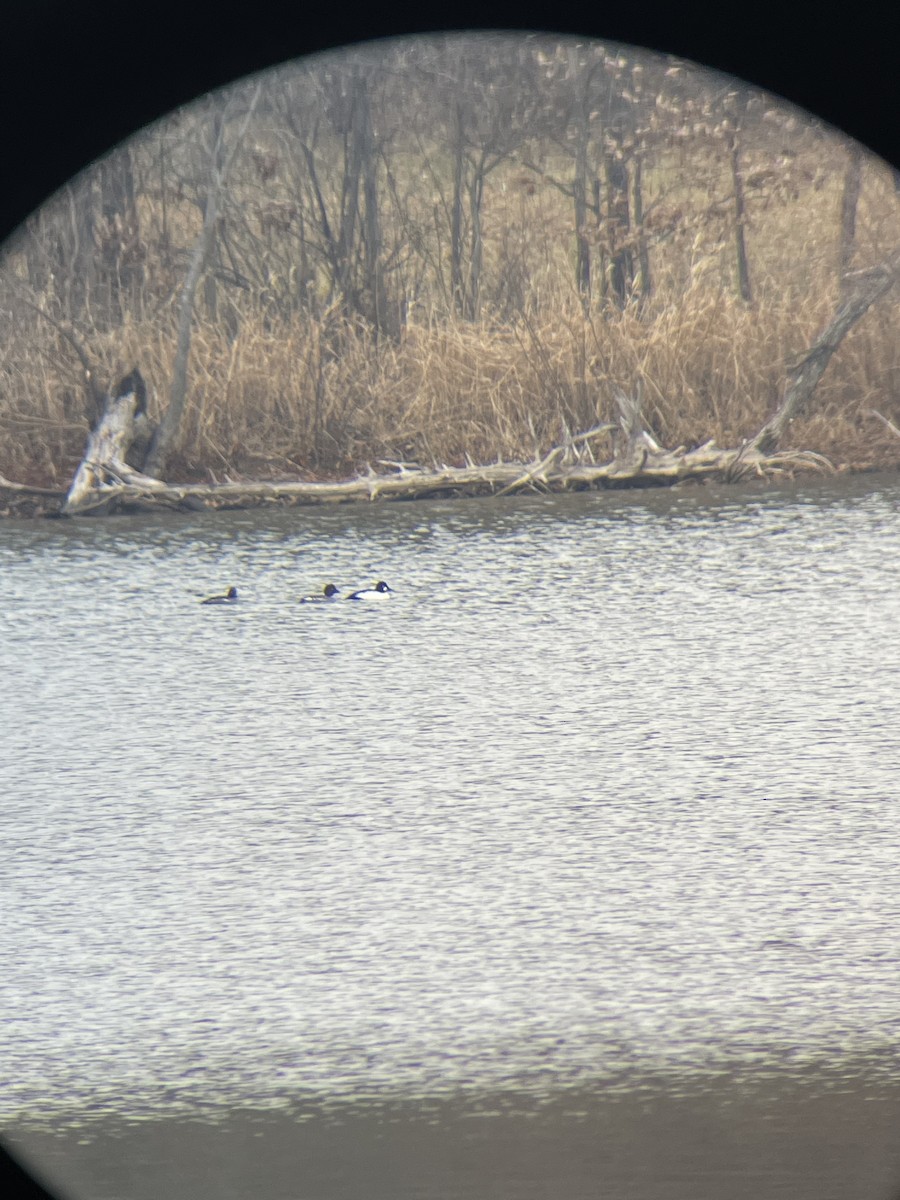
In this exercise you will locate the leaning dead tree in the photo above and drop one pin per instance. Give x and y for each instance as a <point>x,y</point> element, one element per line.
<point>113,474</point>
<point>860,291</point>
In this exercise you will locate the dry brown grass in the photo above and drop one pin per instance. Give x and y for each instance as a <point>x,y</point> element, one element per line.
<point>315,395</point>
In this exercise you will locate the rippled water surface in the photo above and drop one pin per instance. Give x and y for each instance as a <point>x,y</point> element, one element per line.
<point>586,840</point>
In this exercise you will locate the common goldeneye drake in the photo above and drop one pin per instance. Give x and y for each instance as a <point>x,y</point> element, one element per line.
<point>329,592</point>
<point>379,591</point>
<point>229,597</point>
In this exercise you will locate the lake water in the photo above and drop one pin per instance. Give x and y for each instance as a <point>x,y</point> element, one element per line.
<point>568,871</point>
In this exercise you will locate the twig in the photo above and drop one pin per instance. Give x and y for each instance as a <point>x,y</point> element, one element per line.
<point>28,489</point>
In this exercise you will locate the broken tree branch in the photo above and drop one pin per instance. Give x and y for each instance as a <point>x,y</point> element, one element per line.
<point>889,424</point>
<point>104,468</point>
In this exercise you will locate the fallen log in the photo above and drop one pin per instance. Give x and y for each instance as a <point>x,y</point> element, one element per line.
<point>663,468</point>
<point>113,486</point>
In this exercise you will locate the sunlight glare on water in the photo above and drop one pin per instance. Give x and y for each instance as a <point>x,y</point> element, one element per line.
<point>608,787</point>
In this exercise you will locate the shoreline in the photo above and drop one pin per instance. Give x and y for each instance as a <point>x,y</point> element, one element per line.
<point>21,501</point>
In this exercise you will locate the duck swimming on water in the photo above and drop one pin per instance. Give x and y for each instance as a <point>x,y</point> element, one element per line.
<point>229,598</point>
<point>379,592</point>
<point>329,592</point>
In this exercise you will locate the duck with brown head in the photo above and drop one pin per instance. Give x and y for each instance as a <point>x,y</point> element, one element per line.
<point>328,593</point>
<point>230,597</point>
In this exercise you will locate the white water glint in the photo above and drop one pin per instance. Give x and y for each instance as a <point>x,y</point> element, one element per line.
<point>607,788</point>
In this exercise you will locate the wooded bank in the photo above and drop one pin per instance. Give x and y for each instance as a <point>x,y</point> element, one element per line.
<point>418,268</point>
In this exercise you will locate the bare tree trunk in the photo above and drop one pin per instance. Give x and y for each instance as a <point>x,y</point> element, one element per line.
<point>740,221</point>
<point>328,238</point>
<point>119,268</point>
<point>476,195</point>
<point>37,260</point>
<point>465,277</point>
<point>849,201</point>
<point>374,275</point>
<point>168,429</point>
<point>78,254</point>
<point>353,149</point>
<point>456,253</point>
<point>601,271</point>
<point>383,320</point>
<point>637,208</point>
<point>579,196</point>
<point>163,196</point>
<point>621,265</point>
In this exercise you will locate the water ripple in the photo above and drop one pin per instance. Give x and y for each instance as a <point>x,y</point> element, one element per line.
<point>610,781</point>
